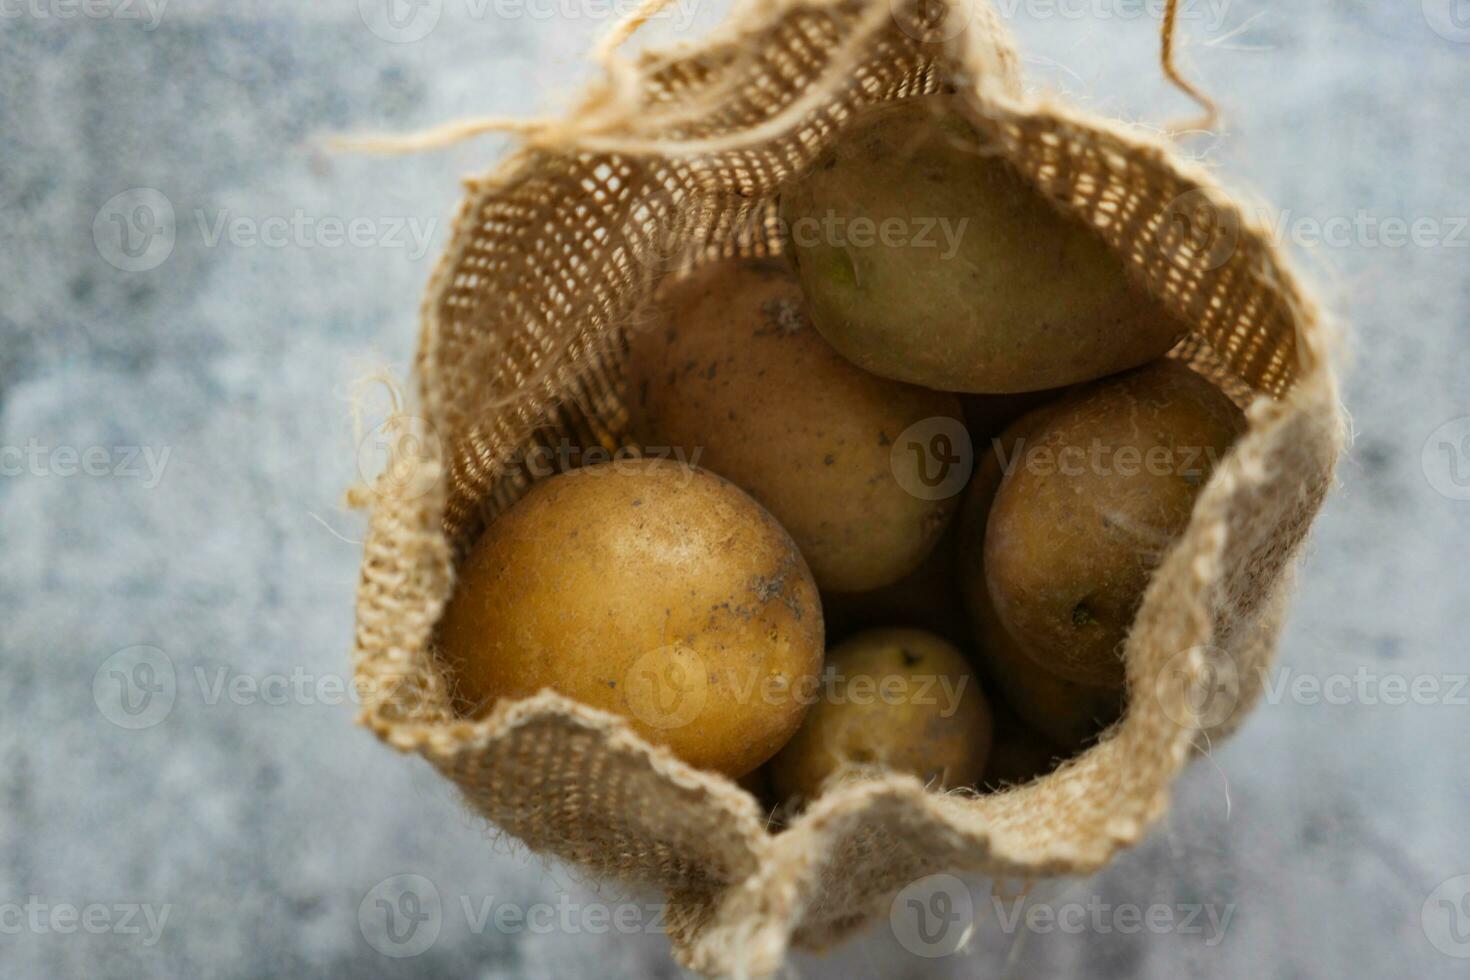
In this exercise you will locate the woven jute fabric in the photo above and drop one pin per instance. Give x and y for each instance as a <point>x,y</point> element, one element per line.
<point>676,157</point>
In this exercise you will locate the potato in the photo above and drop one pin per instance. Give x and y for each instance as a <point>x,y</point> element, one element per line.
<point>897,699</point>
<point>646,588</point>
<point>930,261</point>
<point>1067,713</point>
<point>730,368</point>
<point>1098,488</point>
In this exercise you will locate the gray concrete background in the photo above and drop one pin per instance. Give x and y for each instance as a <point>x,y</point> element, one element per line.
<point>263,828</point>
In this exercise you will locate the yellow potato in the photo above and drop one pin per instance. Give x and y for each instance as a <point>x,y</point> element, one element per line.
<point>897,699</point>
<point>646,588</point>
<point>928,260</point>
<point>1101,488</point>
<point>728,367</point>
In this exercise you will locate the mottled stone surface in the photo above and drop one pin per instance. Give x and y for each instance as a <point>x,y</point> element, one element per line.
<point>263,821</point>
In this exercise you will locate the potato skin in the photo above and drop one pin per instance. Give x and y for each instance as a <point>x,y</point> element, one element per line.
<point>1017,298</point>
<point>647,588</point>
<point>730,367</point>
<point>918,727</point>
<point>1067,713</point>
<point>1105,483</point>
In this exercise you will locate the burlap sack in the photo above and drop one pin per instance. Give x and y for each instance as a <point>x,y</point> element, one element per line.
<point>677,156</point>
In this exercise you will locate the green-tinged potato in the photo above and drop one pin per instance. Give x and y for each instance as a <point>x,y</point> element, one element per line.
<point>650,589</point>
<point>893,699</point>
<point>927,598</point>
<point>1017,754</point>
<point>730,373</point>
<point>929,260</point>
<point>1097,488</point>
<point>1067,713</point>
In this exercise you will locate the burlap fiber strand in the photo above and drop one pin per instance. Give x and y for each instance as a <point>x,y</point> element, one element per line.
<point>674,157</point>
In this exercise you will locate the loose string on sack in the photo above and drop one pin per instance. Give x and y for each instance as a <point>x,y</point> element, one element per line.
<point>1166,61</point>
<point>614,103</point>
<point>620,93</point>
<point>620,90</point>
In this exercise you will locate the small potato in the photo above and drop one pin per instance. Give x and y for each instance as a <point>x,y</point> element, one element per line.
<point>730,369</point>
<point>646,588</point>
<point>1067,713</point>
<point>928,260</point>
<point>1098,488</point>
<point>897,699</point>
